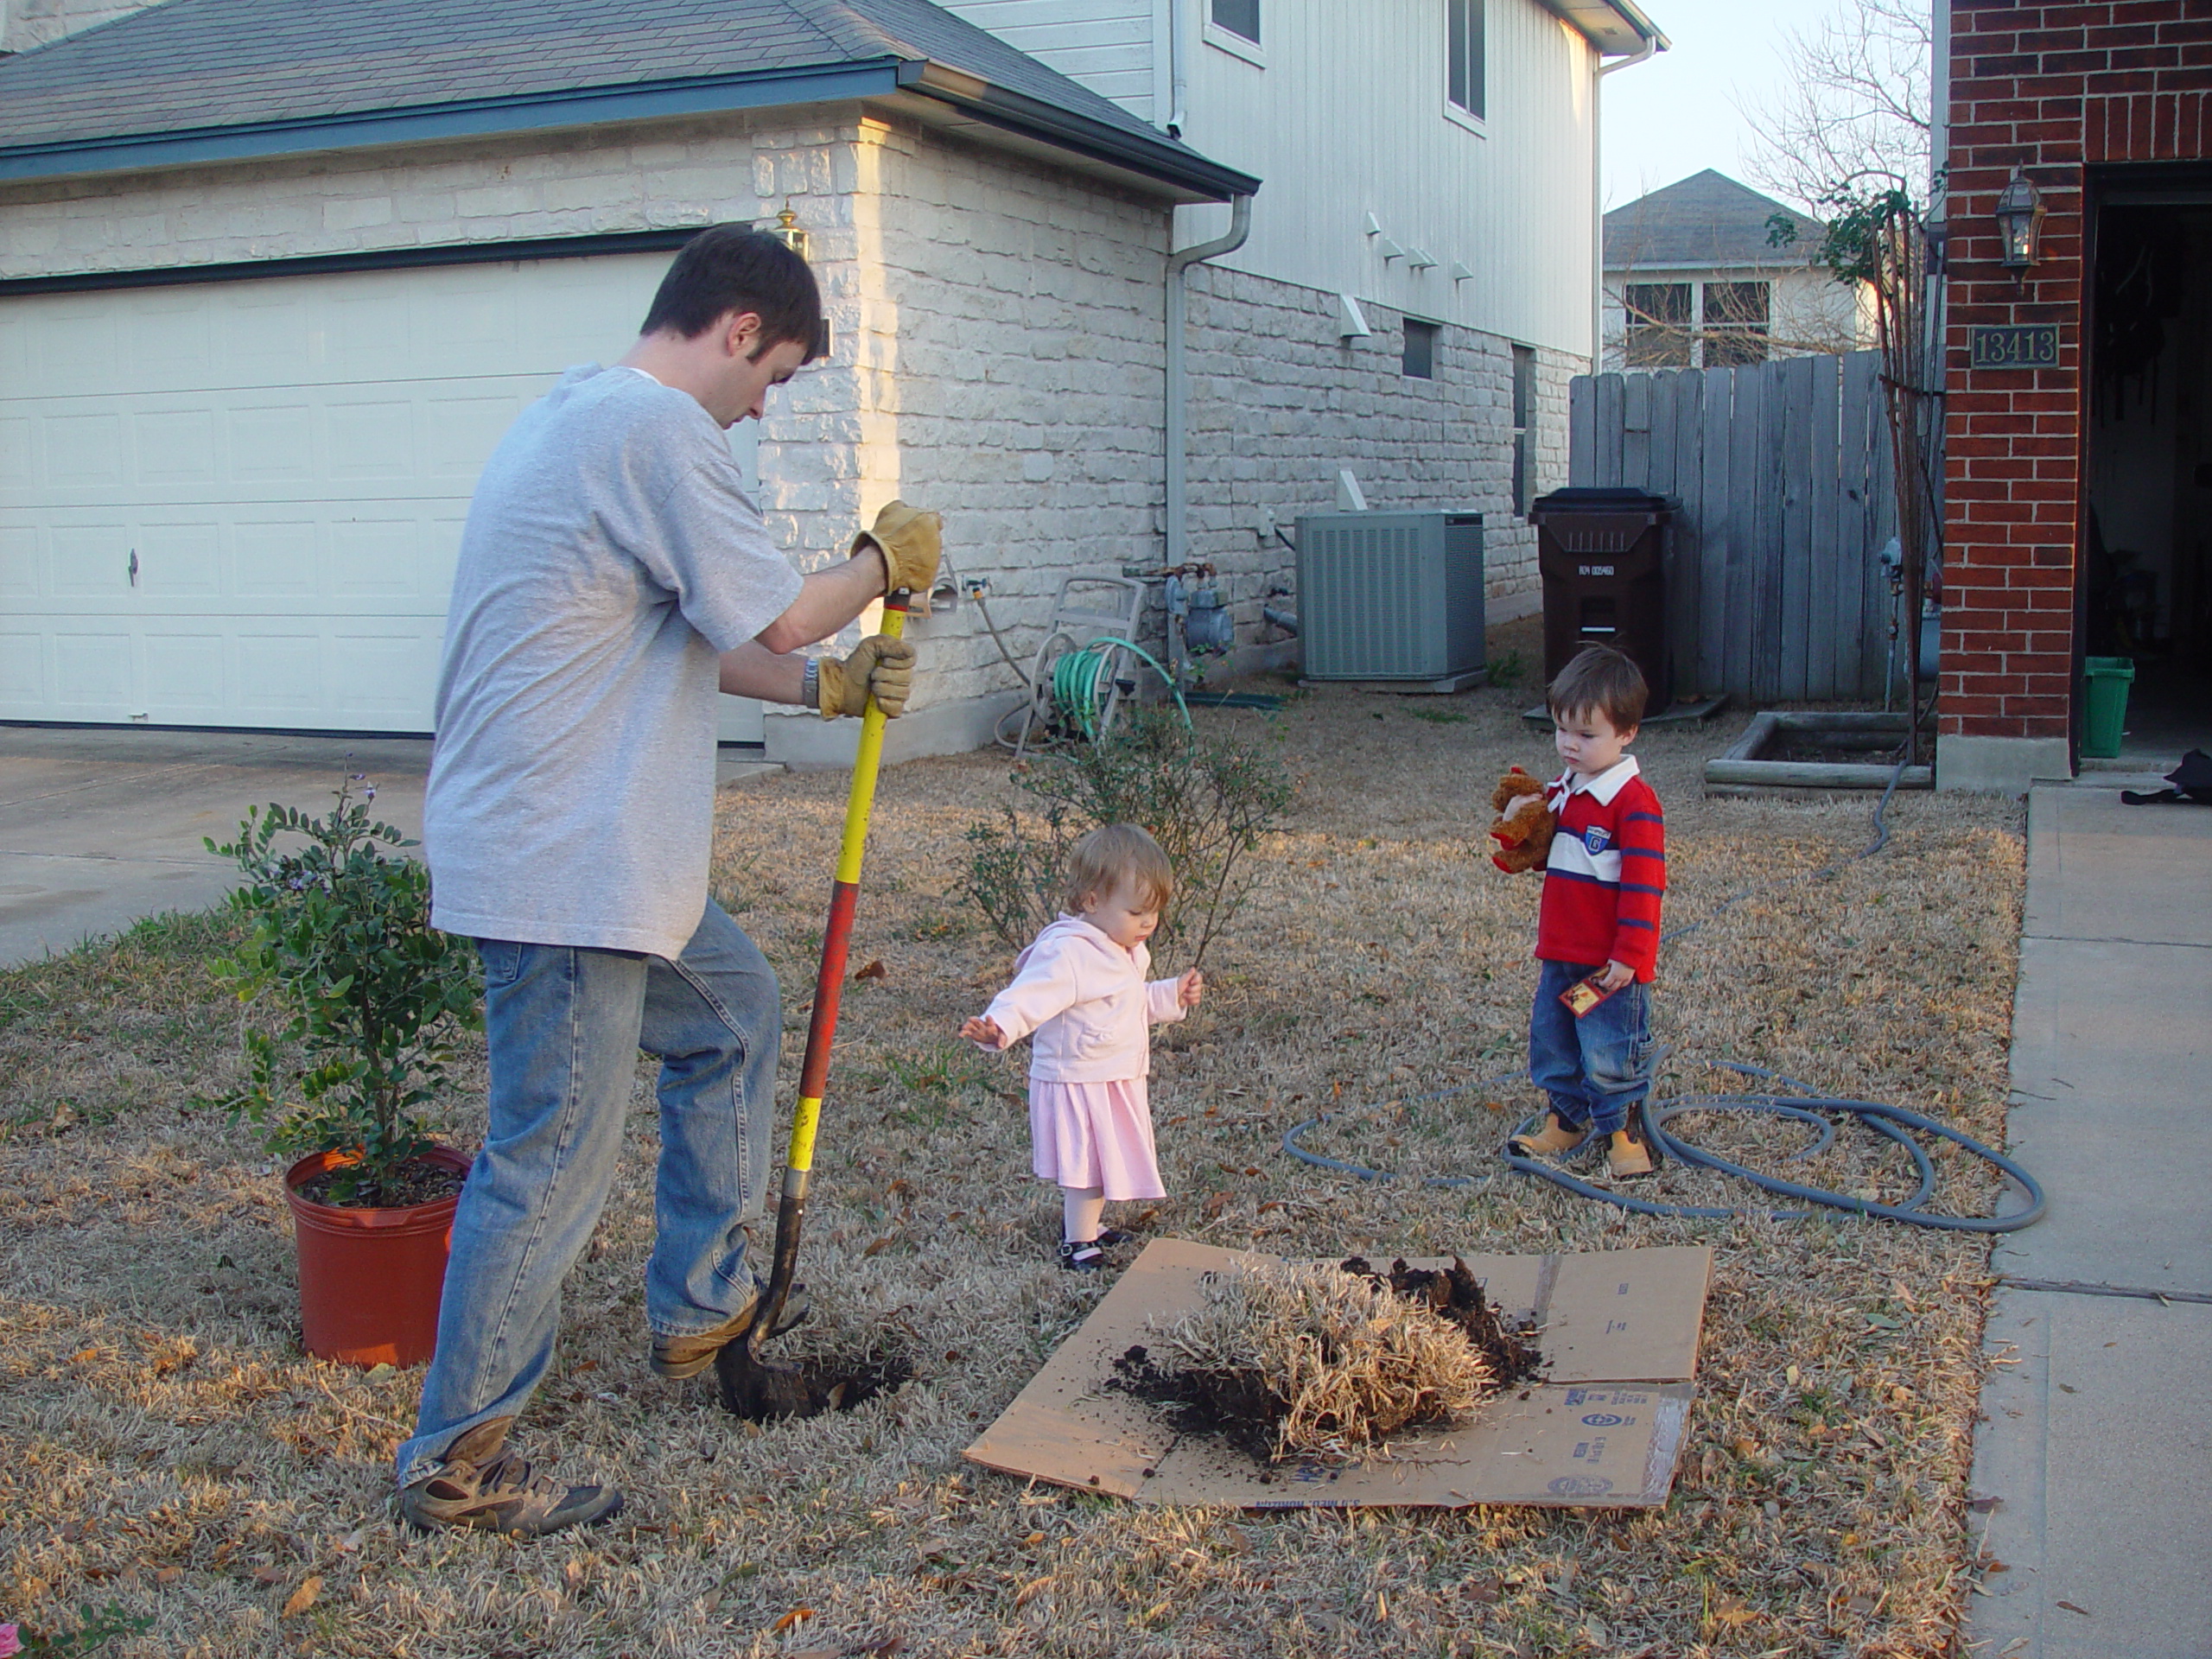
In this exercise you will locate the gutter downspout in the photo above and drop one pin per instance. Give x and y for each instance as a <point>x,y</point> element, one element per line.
<point>1598,197</point>
<point>1178,57</point>
<point>1240,226</point>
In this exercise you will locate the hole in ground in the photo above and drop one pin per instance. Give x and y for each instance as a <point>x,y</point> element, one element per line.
<point>772,1389</point>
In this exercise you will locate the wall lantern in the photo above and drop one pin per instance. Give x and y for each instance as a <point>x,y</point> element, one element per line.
<point>2019,221</point>
<point>788,231</point>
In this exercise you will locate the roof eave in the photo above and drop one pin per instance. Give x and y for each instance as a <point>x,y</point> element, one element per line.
<point>1616,27</point>
<point>431,123</point>
<point>1156,165</point>
<point>1160,167</point>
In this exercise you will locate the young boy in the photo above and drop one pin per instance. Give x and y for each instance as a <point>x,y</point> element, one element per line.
<point>1603,883</point>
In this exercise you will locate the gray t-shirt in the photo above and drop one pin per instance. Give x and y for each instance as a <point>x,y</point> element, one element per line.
<point>611,554</point>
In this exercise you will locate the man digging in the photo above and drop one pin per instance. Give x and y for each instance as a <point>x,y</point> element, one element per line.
<point>612,577</point>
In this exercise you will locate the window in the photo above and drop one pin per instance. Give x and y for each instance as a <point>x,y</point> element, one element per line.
<point>1524,425</point>
<point>1736,318</point>
<point>1462,54</point>
<point>1239,17</point>
<point>1419,362</point>
<point>1660,332</point>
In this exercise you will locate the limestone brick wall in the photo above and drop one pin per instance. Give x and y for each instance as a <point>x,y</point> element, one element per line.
<point>1020,335</point>
<point>25,24</point>
<point>1279,404</point>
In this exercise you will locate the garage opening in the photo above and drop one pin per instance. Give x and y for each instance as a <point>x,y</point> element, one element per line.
<point>2147,591</point>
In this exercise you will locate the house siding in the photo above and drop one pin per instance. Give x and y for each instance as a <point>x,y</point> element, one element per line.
<point>1107,45</point>
<point>1347,117</point>
<point>27,24</point>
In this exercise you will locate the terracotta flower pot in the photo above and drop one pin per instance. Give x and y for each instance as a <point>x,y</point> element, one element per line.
<point>370,1280</point>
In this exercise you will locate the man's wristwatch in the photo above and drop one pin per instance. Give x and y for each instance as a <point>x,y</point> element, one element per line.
<point>811,684</point>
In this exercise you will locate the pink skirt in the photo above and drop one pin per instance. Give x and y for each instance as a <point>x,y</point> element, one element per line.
<point>1095,1135</point>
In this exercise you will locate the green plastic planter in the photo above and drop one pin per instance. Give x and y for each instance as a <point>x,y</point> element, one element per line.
<point>2104,720</point>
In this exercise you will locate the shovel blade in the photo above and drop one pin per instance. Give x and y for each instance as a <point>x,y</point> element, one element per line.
<point>762,1390</point>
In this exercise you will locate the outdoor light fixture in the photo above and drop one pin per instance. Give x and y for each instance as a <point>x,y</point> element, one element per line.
<point>788,231</point>
<point>2019,221</point>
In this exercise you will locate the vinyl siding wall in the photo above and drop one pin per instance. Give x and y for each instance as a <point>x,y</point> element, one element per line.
<point>1108,45</point>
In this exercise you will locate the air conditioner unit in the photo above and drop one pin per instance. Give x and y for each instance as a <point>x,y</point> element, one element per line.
<point>1390,595</point>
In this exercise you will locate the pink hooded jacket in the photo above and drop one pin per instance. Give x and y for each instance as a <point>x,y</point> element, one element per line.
<point>1086,998</point>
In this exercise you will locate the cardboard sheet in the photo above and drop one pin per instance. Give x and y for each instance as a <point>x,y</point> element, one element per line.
<point>1618,1331</point>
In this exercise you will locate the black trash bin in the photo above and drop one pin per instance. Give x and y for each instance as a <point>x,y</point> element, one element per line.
<point>1603,556</point>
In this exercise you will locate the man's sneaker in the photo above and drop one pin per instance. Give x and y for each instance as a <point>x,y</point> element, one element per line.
<point>1082,1255</point>
<point>501,1493</point>
<point>678,1358</point>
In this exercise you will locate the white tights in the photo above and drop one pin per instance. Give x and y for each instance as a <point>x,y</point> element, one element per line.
<point>1081,1209</point>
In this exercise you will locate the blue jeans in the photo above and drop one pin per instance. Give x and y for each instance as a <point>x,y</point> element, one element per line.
<point>564,1024</point>
<point>1597,1068</point>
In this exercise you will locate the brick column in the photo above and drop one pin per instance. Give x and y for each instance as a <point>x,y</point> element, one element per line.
<point>2049,88</point>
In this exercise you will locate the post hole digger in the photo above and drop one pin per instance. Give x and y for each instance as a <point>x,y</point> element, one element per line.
<point>751,1384</point>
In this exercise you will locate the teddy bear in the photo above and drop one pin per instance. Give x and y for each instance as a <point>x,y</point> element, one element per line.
<point>1524,839</point>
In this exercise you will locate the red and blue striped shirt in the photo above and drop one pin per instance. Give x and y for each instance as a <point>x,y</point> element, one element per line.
<point>1606,873</point>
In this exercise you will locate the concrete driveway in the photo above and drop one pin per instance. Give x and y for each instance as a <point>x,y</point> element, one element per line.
<point>100,827</point>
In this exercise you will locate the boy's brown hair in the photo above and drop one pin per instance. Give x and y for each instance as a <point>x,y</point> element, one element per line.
<point>1110,854</point>
<point>1601,678</point>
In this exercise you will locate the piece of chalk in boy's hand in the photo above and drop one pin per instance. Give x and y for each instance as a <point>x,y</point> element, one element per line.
<point>1586,993</point>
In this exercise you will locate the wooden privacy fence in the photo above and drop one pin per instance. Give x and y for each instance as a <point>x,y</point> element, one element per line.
<point>1774,589</point>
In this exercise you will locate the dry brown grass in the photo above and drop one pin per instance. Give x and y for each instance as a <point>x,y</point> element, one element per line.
<point>1345,1362</point>
<point>167,1448</point>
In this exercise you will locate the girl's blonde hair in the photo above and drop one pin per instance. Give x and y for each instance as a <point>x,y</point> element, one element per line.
<point>1111,854</point>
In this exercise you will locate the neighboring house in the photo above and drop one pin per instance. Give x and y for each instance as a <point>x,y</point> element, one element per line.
<point>1695,278</point>
<point>274,279</point>
<point>2078,476</point>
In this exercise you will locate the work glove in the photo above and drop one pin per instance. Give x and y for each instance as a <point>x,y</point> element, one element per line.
<point>879,666</point>
<point>910,541</point>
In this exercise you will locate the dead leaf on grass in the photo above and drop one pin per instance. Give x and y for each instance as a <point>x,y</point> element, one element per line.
<point>1030,1591</point>
<point>303,1598</point>
<point>797,1616</point>
<point>2071,1608</point>
<point>875,970</point>
<point>1215,1204</point>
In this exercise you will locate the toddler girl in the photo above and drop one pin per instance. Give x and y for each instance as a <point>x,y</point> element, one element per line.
<point>1080,987</point>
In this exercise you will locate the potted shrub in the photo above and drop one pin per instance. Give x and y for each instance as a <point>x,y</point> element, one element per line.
<point>368,997</point>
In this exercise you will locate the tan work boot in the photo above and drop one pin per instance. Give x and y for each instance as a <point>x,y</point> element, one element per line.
<point>1628,1157</point>
<point>680,1358</point>
<point>1557,1136</point>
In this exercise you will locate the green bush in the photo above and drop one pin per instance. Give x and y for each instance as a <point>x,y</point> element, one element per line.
<point>369,993</point>
<point>1207,801</point>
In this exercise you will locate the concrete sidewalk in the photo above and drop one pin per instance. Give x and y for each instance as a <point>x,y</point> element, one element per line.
<point>99,829</point>
<point>2093,1444</point>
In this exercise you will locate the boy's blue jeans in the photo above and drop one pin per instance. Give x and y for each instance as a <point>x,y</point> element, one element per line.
<point>564,1024</point>
<point>1597,1068</point>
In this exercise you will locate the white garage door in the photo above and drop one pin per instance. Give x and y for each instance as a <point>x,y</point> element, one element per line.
<point>238,504</point>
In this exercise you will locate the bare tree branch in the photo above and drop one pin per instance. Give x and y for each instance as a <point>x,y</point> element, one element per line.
<point>1854,105</point>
